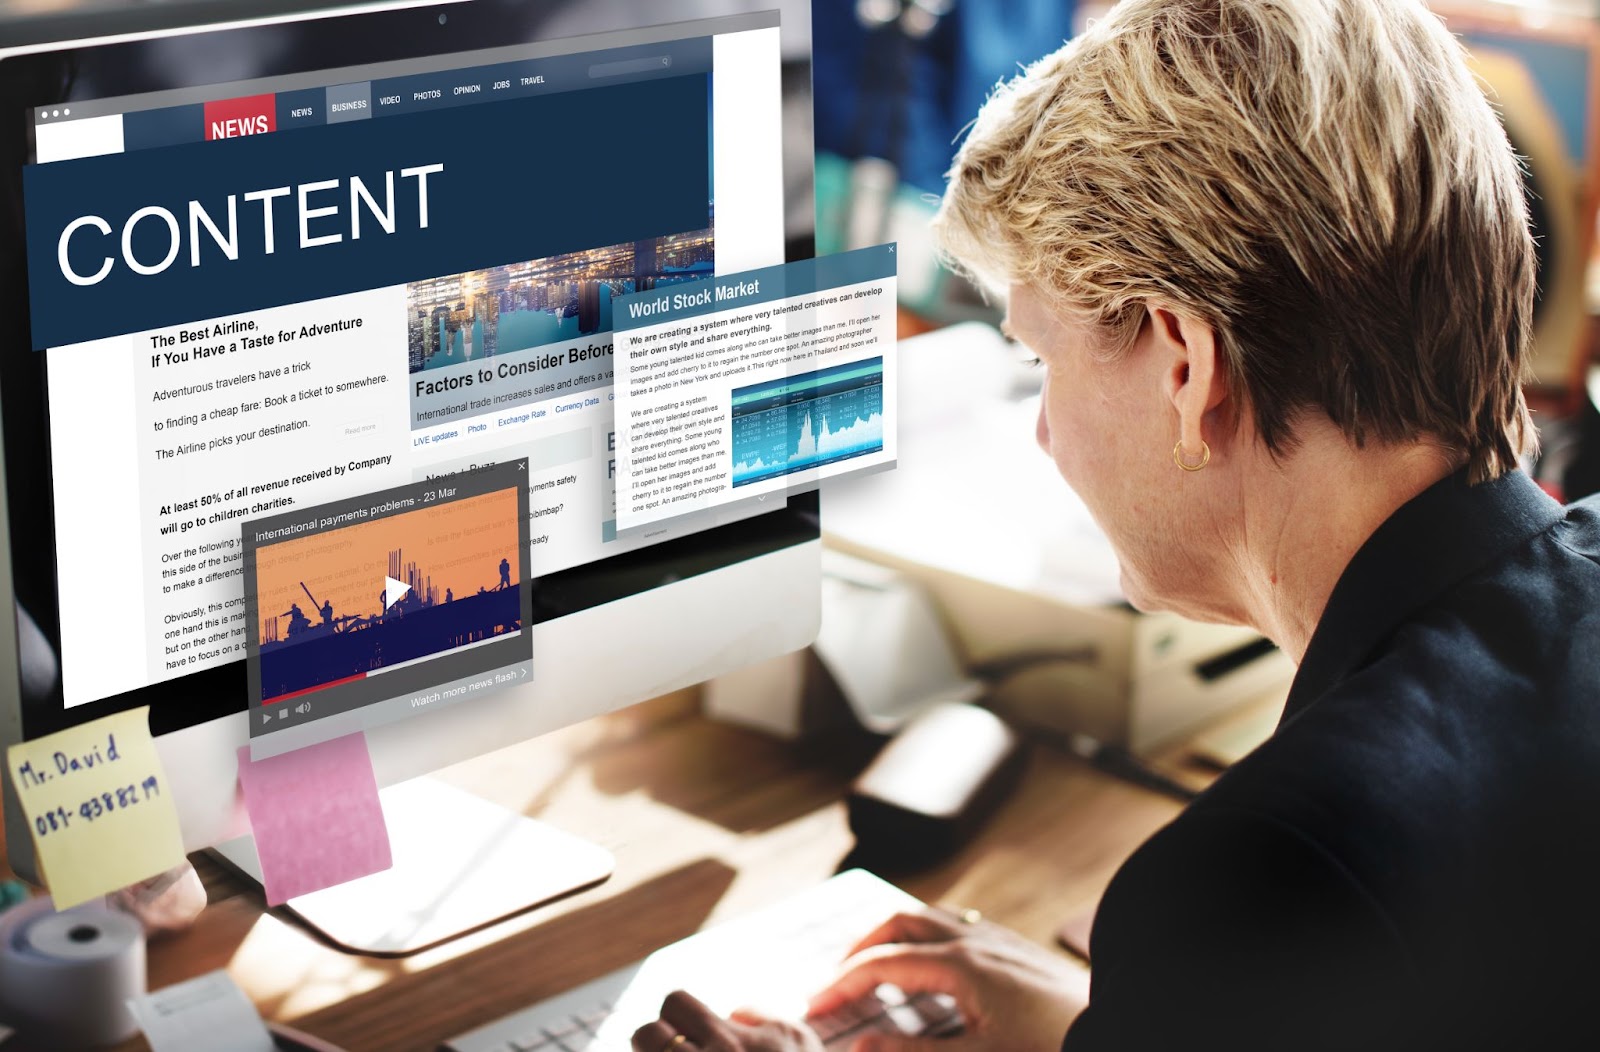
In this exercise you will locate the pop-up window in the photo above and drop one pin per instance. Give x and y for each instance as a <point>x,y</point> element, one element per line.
<point>371,608</point>
<point>748,384</point>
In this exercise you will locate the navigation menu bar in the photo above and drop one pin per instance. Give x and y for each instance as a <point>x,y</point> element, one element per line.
<point>417,93</point>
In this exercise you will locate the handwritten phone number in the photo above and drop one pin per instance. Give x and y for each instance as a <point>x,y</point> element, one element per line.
<point>96,806</point>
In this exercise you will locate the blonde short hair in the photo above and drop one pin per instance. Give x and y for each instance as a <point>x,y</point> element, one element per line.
<point>1322,181</point>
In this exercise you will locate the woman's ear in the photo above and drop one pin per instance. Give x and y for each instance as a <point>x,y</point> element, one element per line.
<point>1193,376</point>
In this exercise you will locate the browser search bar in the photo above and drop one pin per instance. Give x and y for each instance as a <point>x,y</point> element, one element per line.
<point>651,64</point>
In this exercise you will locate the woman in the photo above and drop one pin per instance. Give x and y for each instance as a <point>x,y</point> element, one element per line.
<point>1273,255</point>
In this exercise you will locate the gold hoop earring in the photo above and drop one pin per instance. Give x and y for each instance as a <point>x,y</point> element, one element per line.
<point>1205,456</point>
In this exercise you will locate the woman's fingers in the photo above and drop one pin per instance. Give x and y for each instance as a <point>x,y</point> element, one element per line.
<point>653,1037</point>
<point>689,1016</point>
<point>759,1032</point>
<point>928,968</point>
<point>927,926</point>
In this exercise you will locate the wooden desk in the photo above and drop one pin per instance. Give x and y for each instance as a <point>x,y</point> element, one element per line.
<point>706,822</point>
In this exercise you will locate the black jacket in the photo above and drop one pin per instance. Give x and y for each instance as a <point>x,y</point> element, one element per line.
<point>1412,861</point>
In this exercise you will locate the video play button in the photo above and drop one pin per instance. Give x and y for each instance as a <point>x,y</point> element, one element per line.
<point>393,591</point>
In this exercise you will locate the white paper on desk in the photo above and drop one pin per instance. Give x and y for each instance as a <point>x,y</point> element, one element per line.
<point>883,643</point>
<point>208,1014</point>
<point>977,497</point>
<point>971,493</point>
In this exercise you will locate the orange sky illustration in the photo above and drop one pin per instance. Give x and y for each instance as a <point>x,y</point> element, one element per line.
<point>459,545</point>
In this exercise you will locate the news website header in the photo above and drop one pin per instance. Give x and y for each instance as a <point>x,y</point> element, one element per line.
<point>122,243</point>
<point>345,99</point>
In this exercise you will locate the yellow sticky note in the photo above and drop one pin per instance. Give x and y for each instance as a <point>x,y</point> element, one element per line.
<point>99,804</point>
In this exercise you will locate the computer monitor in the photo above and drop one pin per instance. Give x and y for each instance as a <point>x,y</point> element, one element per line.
<point>265,203</point>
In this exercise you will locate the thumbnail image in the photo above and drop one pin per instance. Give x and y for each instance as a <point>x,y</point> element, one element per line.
<point>353,602</point>
<point>806,421</point>
<point>462,317</point>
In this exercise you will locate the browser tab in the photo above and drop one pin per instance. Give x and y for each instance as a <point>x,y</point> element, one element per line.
<point>302,109</point>
<point>388,99</point>
<point>425,91</point>
<point>502,81</point>
<point>468,86</point>
<point>170,126</point>
<point>349,102</point>
<point>251,115</point>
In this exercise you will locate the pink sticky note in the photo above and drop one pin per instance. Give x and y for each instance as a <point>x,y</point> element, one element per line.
<point>316,816</point>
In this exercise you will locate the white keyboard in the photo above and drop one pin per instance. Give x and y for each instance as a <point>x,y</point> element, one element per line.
<point>770,961</point>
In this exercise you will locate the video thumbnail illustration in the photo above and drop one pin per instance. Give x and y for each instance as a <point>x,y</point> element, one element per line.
<point>464,317</point>
<point>805,421</point>
<point>367,598</point>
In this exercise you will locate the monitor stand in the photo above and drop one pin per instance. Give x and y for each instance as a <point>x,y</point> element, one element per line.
<point>460,863</point>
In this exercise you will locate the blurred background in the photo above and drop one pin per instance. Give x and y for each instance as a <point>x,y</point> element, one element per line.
<point>898,80</point>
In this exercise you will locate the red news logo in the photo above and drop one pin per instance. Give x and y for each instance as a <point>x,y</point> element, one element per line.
<point>253,115</point>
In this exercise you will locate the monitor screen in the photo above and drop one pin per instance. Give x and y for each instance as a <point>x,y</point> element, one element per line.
<point>318,267</point>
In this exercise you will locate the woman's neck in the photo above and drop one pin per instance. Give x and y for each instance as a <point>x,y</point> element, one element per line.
<point>1307,515</point>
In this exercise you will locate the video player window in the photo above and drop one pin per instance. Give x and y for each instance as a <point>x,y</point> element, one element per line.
<point>370,608</point>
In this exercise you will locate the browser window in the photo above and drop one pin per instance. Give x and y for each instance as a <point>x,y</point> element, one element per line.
<point>282,294</point>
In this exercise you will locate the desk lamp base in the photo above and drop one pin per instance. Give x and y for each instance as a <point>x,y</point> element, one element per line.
<point>460,863</point>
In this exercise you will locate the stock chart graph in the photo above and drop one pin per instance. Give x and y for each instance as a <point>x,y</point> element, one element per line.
<point>805,421</point>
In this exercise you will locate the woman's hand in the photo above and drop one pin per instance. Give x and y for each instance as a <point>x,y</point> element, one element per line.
<point>686,1025</point>
<point>1012,993</point>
